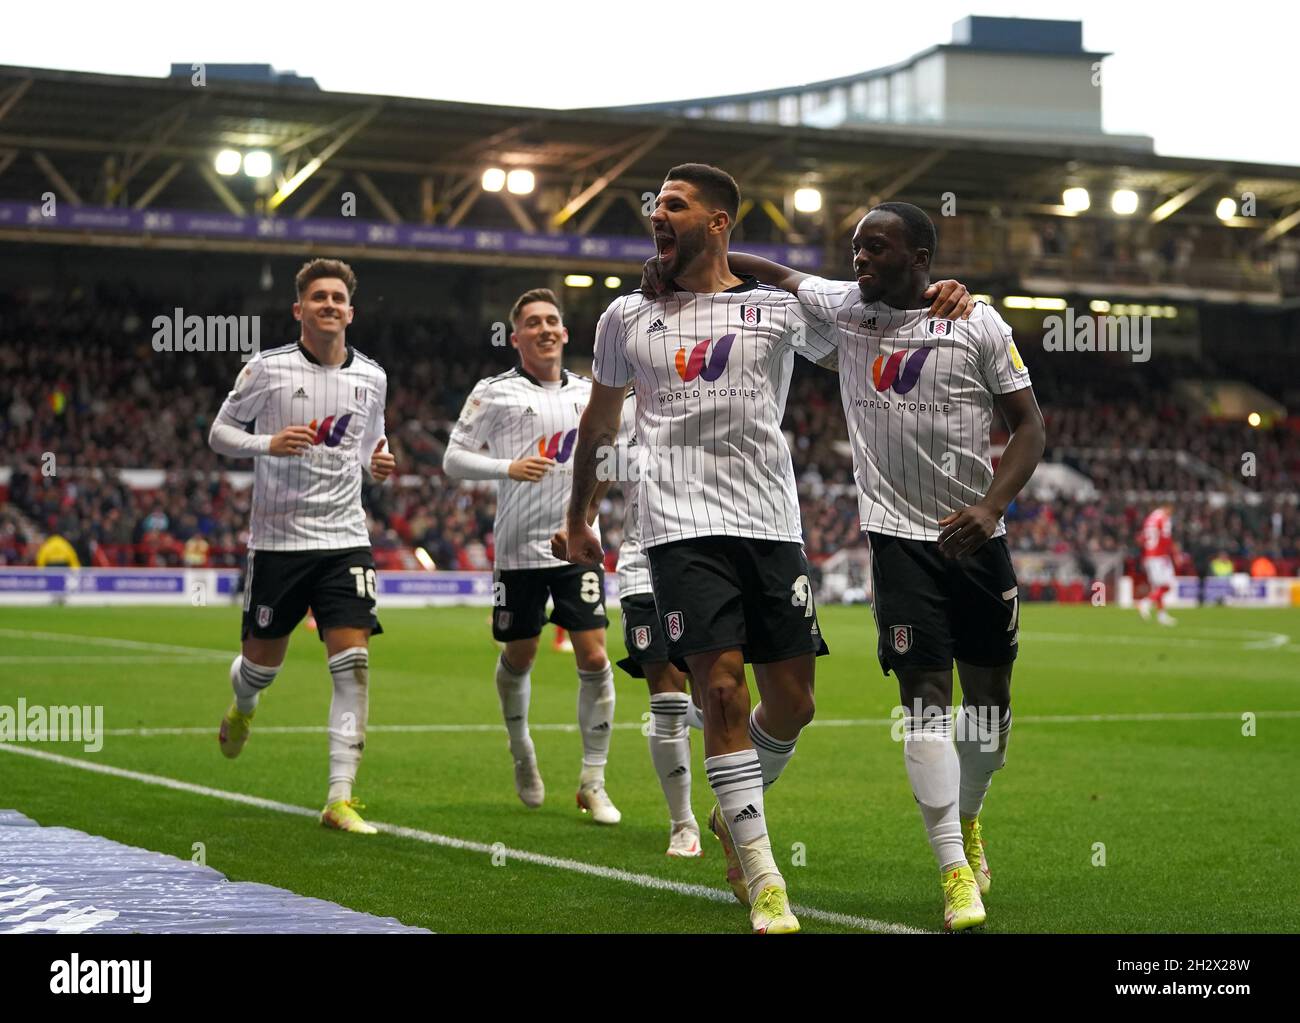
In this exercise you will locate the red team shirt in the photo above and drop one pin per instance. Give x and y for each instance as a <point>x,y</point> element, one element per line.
<point>1157,535</point>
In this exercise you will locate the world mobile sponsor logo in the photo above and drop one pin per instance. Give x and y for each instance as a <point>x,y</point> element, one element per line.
<point>898,374</point>
<point>886,375</point>
<point>329,432</point>
<point>558,446</point>
<point>701,366</point>
<point>689,369</point>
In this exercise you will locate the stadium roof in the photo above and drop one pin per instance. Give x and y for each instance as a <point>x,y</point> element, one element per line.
<point>148,143</point>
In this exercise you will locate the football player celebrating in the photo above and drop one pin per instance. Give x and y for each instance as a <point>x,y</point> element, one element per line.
<point>311,415</point>
<point>527,418</point>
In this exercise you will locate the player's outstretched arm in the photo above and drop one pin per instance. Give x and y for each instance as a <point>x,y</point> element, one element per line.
<point>965,531</point>
<point>766,271</point>
<point>597,433</point>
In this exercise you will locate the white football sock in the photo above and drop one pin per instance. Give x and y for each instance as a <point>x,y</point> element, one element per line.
<point>248,680</point>
<point>514,688</point>
<point>935,774</point>
<point>737,781</point>
<point>595,719</point>
<point>981,750</point>
<point>773,754</point>
<point>694,716</point>
<point>670,752</point>
<point>350,670</point>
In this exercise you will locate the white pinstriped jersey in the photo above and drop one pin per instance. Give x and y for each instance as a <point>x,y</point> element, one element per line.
<point>918,396</point>
<point>633,565</point>
<point>711,374</point>
<point>516,415</point>
<point>312,501</point>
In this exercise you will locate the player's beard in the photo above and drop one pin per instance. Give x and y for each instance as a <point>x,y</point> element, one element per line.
<point>873,290</point>
<point>689,245</point>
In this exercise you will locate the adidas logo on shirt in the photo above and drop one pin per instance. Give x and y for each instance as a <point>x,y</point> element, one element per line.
<point>300,393</point>
<point>747,814</point>
<point>655,327</point>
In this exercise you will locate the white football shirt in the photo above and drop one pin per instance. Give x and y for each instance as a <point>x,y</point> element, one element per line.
<point>312,501</point>
<point>918,397</point>
<point>711,374</point>
<point>515,415</point>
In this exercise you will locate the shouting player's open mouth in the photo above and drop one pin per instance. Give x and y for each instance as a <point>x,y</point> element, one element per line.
<point>666,246</point>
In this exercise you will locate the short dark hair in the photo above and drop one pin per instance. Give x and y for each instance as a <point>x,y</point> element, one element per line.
<point>315,269</point>
<point>716,186</point>
<point>534,295</point>
<point>918,228</point>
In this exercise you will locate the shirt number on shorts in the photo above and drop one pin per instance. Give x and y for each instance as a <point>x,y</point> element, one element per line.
<point>1013,596</point>
<point>365,578</point>
<point>801,595</point>
<point>590,591</point>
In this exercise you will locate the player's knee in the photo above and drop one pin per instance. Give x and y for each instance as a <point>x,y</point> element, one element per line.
<point>801,710</point>
<point>726,692</point>
<point>591,661</point>
<point>518,655</point>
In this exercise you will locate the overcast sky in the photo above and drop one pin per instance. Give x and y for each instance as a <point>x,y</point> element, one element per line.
<point>1203,80</point>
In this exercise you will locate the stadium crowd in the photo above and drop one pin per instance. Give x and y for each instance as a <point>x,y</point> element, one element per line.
<point>84,396</point>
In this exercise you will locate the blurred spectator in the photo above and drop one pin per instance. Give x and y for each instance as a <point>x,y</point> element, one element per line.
<point>1263,568</point>
<point>56,552</point>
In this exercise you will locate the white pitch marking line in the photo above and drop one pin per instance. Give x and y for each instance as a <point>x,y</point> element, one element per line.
<point>125,644</point>
<point>558,863</point>
<point>110,659</point>
<point>1026,719</point>
<point>1263,640</point>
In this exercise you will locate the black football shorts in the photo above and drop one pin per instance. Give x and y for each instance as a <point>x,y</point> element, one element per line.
<point>931,610</point>
<point>519,600</point>
<point>338,587</point>
<point>720,592</point>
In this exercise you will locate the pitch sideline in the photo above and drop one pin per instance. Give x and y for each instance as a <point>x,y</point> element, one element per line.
<point>448,841</point>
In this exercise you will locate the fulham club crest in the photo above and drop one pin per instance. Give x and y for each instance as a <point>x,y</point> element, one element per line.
<point>675,625</point>
<point>641,637</point>
<point>900,637</point>
<point>939,328</point>
<point>751,315</point>
<point>263,616</point>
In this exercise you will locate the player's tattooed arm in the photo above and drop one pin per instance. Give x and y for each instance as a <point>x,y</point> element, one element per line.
<point>655,285</point>
<point>597,434</point>
<point>560,538</point>
<point>965,531</point>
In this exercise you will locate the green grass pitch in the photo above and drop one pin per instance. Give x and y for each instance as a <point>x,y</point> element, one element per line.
<point>1129,746</point>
